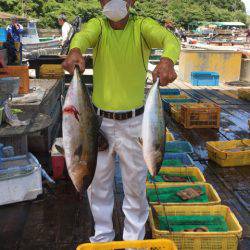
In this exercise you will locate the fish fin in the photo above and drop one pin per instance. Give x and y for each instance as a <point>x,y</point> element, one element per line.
<point>78,151</point>
<point>139,141</point>
<point>159,156</point>
<point>62,100</point>
<point>60,149</point>
<point>159,153</point>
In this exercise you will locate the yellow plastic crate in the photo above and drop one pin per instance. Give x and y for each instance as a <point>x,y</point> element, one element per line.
<point>175,112</point>
<point>200,115</point>
<point>230,153</point>
<point>51,71</point>
<point>193,171</point>
<point>213,197</point>
<point>169,137</point>
<point>199,240</point>
<point>244,94</point>
<point>161,244</point>
<point>181,96</point>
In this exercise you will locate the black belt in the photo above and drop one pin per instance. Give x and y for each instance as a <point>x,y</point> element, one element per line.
<point>119,115</point>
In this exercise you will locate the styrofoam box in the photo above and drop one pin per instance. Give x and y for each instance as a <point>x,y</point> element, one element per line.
<point>24,187</point>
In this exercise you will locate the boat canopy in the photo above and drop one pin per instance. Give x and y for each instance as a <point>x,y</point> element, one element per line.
<point>218,24</point>
<point>232,24</point>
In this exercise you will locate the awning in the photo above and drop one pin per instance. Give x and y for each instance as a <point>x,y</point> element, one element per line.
<point>230,24</point>
<point>220,24</point>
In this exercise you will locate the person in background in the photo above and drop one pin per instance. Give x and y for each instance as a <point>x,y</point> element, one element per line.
<point>169,25</point>
<point>234,34</point>
<point>14,30</point>
<point>183,35</point>
<point>66,28</point>
<point>11,49</point>
<point>122,45</point>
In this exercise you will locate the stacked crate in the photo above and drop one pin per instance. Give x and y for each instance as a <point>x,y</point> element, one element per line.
<point>200,115</point>
<point>188,112</point>
<point>178,162</point>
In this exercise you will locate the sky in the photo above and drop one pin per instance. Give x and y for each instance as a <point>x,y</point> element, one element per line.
<point>247,3</point>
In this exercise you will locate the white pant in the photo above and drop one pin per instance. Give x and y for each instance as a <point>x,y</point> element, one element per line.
<point>122,137</point>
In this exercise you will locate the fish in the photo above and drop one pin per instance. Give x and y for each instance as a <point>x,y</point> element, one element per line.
<point>153,135</point>
<point>80,127</point>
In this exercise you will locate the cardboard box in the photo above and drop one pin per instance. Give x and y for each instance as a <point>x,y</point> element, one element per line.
<point>21,71</point>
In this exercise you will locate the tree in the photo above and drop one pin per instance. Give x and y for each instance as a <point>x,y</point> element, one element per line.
<point>182,12</point>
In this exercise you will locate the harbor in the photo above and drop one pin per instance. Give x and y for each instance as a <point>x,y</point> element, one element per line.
<point>198,198</point>
<point>57,220</point>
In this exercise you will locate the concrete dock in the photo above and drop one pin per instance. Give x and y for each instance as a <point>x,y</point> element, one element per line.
<point>59,220</point>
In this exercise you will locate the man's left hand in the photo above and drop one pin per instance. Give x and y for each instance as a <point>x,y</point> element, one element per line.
<point>165,71</point>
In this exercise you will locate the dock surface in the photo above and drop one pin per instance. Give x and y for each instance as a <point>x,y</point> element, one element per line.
<point>58,220</point>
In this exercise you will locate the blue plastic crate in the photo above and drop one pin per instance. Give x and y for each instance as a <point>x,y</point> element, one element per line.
<point>170,92</point>
<point>204,78</point>
<point>3,35</point>
<point>178,147</point>
<point>167,102</point>
<point>177,160</point>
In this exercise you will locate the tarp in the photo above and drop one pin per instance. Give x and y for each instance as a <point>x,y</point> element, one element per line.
<point>229,24</point>
<point>232,24</point>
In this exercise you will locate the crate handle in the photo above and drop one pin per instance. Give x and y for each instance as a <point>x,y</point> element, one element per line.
<point>245,144</point>
<point>216,156</point>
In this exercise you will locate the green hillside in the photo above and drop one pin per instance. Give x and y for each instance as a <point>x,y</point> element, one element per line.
<point>181,12</point>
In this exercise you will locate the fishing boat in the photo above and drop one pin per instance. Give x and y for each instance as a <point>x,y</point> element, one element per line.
<point>31,40</point>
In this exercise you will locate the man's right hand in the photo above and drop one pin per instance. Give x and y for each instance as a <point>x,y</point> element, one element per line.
<point>74,59</point>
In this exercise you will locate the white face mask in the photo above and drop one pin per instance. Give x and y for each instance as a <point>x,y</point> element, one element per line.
<point>115,10</point>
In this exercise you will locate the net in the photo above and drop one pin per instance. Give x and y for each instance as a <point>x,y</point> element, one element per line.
<point>159,177</point>
<point>214,223</point>
<point>169,195</point>
<point>173,162</point>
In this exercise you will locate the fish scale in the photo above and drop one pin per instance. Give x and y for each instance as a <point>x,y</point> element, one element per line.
<point>153,131</point>
<point>80,127</point>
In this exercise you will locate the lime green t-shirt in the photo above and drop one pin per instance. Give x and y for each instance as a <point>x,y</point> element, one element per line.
<point>121,58</point>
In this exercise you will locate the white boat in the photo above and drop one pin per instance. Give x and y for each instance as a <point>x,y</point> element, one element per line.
<point>32,42</point>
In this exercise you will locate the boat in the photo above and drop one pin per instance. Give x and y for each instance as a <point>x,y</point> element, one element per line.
<point>32,43</point>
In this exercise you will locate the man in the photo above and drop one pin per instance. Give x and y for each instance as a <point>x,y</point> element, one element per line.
<point>66,28</point>
<point>122,45</point>
<point>75,27</point>
<point>169,25</point>
<point>14,30</point>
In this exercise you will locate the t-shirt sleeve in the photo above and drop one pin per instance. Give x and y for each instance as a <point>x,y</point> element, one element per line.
<point>157,36</point>
<point>88,36</point>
